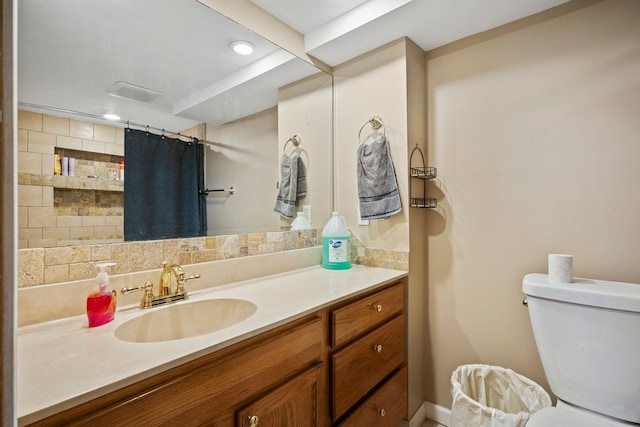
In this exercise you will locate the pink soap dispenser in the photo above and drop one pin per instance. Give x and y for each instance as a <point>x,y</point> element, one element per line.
<point>101,303</point>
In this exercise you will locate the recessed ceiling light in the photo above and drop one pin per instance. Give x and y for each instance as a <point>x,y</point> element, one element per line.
<point>242,47</point>
<point>112,117</point>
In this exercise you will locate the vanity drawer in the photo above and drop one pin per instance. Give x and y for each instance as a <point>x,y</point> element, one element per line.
<point>353,319</point>
<point>385,408</point>
<point>361,365</point>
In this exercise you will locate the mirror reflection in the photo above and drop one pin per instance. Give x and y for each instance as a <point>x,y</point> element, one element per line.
<point>168,65</point>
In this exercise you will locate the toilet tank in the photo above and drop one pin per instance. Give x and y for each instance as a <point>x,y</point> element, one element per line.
<point>588,337</point>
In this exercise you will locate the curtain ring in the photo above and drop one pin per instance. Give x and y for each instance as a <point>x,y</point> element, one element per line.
<point>146,129</point>
<point>162,134</point>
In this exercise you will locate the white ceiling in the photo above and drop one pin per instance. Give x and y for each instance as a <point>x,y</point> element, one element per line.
<point>71,51</point>
<point>306,15</point>
<point>336,31</point>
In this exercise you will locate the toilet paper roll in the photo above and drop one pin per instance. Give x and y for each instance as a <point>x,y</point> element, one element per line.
<point>65,166</point>
<point>560,268</point>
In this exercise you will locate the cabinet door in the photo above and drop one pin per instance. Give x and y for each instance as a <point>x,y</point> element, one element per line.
<point>292,404</point>
<point>360,366</point>
<point>385,408</point>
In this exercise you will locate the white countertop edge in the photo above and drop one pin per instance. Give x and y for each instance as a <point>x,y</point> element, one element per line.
<point>66,373</point>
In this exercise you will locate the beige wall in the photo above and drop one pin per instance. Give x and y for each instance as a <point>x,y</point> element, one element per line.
<point>535,133</point>
<point>374,83</point>
<point>418,290</point>
<point>8,197</point>
<point>305,109</point>
<point>247,156</point>
<point>390,82</point>
<point>244,157</point>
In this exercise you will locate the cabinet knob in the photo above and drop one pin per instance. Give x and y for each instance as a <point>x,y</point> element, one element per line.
<point>377,307</point>
<point>253,421</point>
<point>377,348</point>
<point>382,412</point>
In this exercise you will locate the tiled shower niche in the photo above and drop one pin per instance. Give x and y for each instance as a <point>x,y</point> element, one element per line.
<point>57,210</point>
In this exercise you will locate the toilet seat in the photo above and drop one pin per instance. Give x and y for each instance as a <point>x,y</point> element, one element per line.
<point>563,417</point>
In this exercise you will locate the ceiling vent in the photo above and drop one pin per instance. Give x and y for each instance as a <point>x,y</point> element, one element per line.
<point>130,91</point>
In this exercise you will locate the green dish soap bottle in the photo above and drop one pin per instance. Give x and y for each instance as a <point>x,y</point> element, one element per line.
<point>335,244</point>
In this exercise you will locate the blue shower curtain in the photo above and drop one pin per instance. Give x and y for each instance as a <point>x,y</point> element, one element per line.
<point>162,179</point>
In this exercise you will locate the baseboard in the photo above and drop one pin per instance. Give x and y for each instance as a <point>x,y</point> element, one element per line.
<point>417,420</point>
<point>430,411</point>
<point>438,413</point>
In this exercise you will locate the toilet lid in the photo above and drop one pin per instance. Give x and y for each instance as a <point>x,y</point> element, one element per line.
<point>557,417</point>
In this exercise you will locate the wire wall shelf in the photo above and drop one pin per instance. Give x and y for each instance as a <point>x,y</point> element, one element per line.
<point>424,202</point>
<point>423,173</point>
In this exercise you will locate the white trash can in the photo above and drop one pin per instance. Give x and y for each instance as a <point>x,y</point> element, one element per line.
<point>491,396</point>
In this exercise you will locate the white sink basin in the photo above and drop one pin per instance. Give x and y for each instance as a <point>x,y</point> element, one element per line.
<point>185,320</point>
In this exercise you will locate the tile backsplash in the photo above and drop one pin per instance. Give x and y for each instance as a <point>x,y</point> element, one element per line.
<point>40,266</point>
<point>53,282</point>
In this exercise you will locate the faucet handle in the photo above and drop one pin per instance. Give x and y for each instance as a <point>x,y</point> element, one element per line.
<point>147,297</point>
<point>181,280</point>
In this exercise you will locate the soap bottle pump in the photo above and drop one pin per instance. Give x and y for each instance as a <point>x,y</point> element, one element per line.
<point>101,303</point>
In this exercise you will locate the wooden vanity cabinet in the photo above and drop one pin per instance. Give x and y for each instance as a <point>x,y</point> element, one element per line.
<point>367,360</point>
<point>208,391</point>
<point>343,365</point>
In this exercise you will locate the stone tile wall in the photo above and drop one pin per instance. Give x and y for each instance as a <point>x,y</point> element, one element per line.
<point>41,221</point>
<point>371,257</point>
<point>41,266</point>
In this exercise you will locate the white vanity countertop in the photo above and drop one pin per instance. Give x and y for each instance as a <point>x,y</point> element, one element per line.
<point>64,363</point>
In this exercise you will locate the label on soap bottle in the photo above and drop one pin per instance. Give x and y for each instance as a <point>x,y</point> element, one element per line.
<point>338,250</point>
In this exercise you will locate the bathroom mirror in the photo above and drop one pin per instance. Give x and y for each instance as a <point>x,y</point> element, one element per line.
<point>168,64</point>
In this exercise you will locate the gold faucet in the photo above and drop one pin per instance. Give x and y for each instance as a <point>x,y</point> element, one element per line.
<point>165,280</point>
<point>165,296</point>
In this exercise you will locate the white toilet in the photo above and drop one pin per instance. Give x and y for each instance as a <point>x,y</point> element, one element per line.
<point>588,337</point>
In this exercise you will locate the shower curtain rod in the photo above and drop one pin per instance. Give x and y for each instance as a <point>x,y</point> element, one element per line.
<point>127,123</point>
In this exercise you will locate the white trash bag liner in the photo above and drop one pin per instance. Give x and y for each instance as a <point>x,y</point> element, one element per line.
<point>491,396</point>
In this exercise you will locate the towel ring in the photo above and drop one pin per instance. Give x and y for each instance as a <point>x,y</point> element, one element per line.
<point>376,123</point>
<point>296,140</point>
<point>302,151</point>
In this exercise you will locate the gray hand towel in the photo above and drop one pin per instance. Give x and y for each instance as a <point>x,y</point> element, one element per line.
<point>286,200</point>
<point>377,185</point>
<point>301,189</point>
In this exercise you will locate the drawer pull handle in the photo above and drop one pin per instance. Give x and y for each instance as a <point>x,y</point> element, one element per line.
<point>253,421</point>
<point>377,307</point>
<point>377,348</point>
<point>382,412</point>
